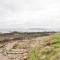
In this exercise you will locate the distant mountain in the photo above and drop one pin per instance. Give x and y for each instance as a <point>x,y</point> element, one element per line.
<point>28,30</point>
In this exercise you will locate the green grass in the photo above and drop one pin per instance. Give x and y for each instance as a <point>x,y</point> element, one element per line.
<point>33,55</point>
<point>48,50</point>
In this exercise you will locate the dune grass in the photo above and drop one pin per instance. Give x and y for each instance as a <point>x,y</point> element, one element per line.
<point>47,49</point>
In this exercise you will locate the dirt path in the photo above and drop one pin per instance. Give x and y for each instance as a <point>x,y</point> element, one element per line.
<point>18,50</point>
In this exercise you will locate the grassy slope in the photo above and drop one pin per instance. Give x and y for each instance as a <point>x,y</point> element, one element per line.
<point>46,49</point>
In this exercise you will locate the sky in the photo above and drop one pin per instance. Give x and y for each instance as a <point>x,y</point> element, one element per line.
<point>22,14</point>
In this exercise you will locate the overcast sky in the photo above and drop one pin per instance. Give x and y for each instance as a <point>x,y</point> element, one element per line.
<point>29,13</point>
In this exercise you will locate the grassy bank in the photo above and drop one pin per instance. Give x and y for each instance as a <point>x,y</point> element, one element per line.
<point>46,49</point>
<point>38,48</point>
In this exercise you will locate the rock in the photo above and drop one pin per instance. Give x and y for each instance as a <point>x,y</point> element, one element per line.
<point>10,45</point>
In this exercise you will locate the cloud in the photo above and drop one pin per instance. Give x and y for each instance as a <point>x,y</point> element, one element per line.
<point>28,13</point>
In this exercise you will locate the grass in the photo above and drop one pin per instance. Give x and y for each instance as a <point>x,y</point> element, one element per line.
<point>47,49</point>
